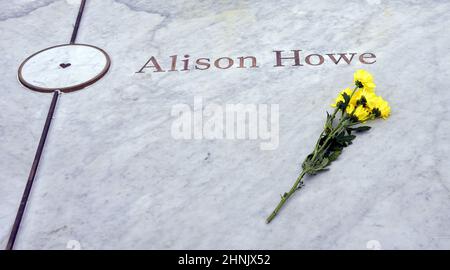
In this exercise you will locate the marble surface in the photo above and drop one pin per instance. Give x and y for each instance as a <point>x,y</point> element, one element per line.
<point>113,177</point>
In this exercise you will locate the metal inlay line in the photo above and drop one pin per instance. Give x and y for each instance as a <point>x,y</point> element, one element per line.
<point>27,74</point>
<point>32,175</point>
<point>77,22</point>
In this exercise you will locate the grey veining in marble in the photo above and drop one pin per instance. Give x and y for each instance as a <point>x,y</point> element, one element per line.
<point>112,176</point>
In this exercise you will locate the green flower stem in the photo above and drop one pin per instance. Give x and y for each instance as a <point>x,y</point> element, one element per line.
<point>337,129</point>
<point>286,196</point>
<point>323,131</point>
<point>297,183</point>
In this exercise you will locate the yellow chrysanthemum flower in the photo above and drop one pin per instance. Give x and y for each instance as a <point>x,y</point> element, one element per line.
<point>364,79</point>
<point>361,100</point>
<point>362,97</point>
<point>385,109</point>
<point>362,113</point>
<point>380,107</point>
<point>350,108</point>
<point>340,98</point>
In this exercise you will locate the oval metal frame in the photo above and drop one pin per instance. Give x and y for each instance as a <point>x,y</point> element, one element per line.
<point>64,89</point>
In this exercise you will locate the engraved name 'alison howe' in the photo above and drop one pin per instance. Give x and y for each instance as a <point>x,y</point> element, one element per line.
<point>296,58</point>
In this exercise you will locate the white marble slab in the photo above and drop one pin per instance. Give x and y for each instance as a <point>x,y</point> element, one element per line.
<point>113,177</point>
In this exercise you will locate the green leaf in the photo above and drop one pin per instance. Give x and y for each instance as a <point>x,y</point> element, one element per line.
<point>361,128</point>
<point>345,140</point>
<point>336,147</point>
<point>334,155</point>
<point>340,134</point>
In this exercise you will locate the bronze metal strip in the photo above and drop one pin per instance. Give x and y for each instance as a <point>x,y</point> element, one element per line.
<point>31,176</point>
<point>77,22</point>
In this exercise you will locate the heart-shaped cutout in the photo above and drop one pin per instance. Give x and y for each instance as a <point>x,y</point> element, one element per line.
<point>64,65</point>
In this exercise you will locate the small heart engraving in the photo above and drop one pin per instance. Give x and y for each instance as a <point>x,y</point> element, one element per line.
<point>64,65</point>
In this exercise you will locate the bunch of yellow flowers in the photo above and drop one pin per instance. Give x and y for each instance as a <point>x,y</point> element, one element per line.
<point>357,106</point>
<point>364,103</point>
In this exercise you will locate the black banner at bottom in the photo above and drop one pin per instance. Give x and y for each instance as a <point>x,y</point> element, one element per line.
<point>223,259</point>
